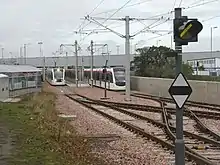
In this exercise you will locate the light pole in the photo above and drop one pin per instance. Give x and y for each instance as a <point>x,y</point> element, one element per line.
<point>158,42</point>
<point>211,29</point>
<point>25,52</point>
<point>2,53</point>
<point>118,49</point>
<point>41,55</point>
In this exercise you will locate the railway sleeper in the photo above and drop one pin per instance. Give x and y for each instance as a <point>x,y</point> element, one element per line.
<point>190,153</point>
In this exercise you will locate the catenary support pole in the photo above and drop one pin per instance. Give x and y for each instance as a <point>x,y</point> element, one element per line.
<point>76,67</point>
<point>91,73</point>
<point>66,60</point>
<point>179,142</point>
<point>82,69</point>
<point>127,56</point>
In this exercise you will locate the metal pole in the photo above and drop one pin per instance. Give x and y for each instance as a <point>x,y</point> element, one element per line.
<point>44,63</point>
<point>25,54</point>
<point>44,69</point>
<point>106,63</point>
<point>21,54</point>
<point>211,47</point>
<point>179,142</point>
<point>117,49</point>
<point>66,60</point>
<point>82,68</point>
<point>2,53</point>
<point>76,67</point>
<point>91,73</point>
<point>127,56</point>
<point>171,42</point>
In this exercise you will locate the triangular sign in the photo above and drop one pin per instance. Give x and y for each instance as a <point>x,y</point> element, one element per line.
<point>180,90</point>
<point>180,99</point>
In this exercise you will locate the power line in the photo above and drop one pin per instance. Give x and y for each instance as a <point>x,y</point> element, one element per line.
<point>111,10</point>
<point>91,12</point>
<point>117,11</point>
<point>173,5</point>
<point>158,15</point>
<point>108,17</point>
<point>159,36</point>
<point>217,16</point>
<point>201,4</point>
<point>180,2</point>
<point>147,27</point>
<point>96,7</point>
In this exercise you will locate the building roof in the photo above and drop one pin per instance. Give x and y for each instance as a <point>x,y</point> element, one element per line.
<point>3,76</point>
<point>18,68</point>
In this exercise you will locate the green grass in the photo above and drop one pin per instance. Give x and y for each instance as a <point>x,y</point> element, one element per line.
<point>34,125</point>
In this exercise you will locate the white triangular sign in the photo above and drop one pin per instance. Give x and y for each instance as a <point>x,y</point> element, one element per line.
<point>180,99</point>
<point>180,81</point>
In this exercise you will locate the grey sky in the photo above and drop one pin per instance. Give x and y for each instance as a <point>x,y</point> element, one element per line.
<point>53,22</point>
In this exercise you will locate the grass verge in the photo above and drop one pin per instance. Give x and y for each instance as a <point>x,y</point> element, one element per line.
<point>34,127</point>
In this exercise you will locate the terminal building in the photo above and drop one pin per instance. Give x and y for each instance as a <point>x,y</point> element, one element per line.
<point>16,80</point>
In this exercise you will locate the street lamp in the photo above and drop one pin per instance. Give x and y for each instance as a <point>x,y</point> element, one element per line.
<point>40,43</point>
<point>211,40</point>
<point>41,55</point>
<point>25,52</point>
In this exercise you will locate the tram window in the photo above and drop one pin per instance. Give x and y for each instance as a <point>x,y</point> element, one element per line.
<point>97,75</point>
<point>107,77</point>
<point>94,75</point>
<point>110,77</point>
<point>103,76</point>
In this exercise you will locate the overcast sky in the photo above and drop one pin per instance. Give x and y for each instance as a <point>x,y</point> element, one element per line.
<point>54,21</point>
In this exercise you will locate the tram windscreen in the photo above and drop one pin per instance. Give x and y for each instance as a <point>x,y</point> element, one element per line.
<point>58,74</point>
<point>119,74</point>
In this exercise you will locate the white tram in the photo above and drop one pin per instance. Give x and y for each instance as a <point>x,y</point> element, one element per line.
<point>56,76</point>
<point>115,77</point>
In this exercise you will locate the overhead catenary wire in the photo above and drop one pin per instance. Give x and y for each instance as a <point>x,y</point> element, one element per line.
<point>111,10</point>
<point>180,2</point>
<point>173,5</point>
<point>200,4</point>
<point>92,12</point>
<point>149,27</point>
<point>167,13</point>
<point>117,11</point>
<point>211,18</point>
<point>108,18</point>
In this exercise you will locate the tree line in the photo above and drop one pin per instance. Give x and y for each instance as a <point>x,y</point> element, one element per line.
<point>157,62</point>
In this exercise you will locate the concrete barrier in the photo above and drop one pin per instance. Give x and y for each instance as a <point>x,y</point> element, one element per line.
<point>203,91</point>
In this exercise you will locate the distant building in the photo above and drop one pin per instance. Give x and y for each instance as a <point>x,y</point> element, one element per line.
<point>99,60</point>
<point>209,66</point>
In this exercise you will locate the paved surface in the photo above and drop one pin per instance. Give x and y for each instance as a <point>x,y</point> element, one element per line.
<point>5,144</point>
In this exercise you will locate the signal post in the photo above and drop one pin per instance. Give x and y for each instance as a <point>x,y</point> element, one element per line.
<point>185,30</point>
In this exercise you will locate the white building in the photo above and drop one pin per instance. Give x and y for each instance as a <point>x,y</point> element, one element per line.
<point>4,87</point>
<point>211,66</point>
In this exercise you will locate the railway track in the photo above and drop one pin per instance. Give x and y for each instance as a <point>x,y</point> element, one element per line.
<point>198,138</point>
<point>164,134</point>
<point>213,107</point>
<point>205,114</point>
